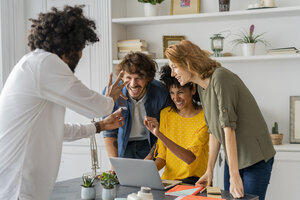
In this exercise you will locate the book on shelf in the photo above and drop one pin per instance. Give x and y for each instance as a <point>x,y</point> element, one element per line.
<point>121,55</point>
<point>132,48</point>
<point>286,50</point>
<point>132,43</point>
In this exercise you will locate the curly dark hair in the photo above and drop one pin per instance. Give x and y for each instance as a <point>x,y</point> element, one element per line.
<point>138,63</point>
<point>169,81</point>
<point>63,32</point>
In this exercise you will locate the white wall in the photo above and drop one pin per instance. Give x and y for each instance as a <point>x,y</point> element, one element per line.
<point>12,35</point>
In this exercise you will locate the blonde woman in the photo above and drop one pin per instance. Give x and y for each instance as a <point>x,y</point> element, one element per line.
<point>233,119</point>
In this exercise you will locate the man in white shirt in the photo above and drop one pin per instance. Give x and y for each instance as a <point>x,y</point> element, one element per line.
<point>33,102</point>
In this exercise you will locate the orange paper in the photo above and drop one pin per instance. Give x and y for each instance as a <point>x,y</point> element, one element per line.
<point>192,197</point>
<point>179,188</point>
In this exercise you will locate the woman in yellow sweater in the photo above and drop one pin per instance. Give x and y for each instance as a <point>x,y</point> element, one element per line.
<point>182,145</point>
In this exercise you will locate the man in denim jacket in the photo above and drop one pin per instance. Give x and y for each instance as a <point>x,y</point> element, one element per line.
<point>146,97</point>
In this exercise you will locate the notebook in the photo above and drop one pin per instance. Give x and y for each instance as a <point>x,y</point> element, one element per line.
<point>137,172</point>
<point>184,190</point>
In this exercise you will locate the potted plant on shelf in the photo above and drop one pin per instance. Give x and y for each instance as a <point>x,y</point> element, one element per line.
<point>248,41</point>
<point>108,181</point>
<point>151,7</point>
<point>87,188</point>
<point>275,136</point>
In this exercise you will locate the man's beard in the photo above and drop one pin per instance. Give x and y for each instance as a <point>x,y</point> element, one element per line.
<point>73,60</point>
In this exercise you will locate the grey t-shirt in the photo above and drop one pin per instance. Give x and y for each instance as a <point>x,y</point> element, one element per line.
<point>227,102</point>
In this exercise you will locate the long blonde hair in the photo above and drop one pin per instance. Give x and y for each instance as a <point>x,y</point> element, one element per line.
<point>190,57</point>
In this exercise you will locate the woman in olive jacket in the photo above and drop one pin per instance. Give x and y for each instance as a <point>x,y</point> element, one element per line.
<point>233,118</point>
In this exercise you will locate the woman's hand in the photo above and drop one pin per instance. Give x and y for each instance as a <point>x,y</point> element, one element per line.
<point>152,125</point>
<point>236,186</point>
<point>205,180</point>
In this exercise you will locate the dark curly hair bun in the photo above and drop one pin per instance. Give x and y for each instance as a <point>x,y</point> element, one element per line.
<point>62,32</point>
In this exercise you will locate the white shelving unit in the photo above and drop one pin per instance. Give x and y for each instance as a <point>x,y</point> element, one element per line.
<point>188,18</point>
<point>240,58</point>
<point>272,79</point>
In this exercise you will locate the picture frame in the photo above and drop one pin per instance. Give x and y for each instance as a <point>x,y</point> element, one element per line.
<point>295,119</point>
<point>179,7</point>
<point>170,40</point>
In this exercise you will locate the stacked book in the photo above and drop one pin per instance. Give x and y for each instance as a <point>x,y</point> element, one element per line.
<point>126,46</point>
<point>286,50</point>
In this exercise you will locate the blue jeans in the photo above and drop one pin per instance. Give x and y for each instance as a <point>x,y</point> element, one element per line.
<point>137,149</point>
<point>255,178</point>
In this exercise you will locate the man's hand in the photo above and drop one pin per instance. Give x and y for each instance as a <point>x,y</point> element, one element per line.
<point>152,125</point>
<point>113,121</point>
<point>114,90</point>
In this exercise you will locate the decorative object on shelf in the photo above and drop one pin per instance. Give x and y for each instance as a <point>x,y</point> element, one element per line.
<point>255,4</point>
<point>179,7</point>
<point>87,188</point>
<point>217,41</point>
<point>248,41</point>
<point>224,5</point>
<point>151,7</point>
<point>126,46</point>
<point>269,3</point>
<point>170,40</point>
<point>108,181</point>
<point>295,119</point>
<point>275,136</point>
<point>285,50</point>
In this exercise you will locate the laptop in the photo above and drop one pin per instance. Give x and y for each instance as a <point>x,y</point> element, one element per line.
<point>138,172</point>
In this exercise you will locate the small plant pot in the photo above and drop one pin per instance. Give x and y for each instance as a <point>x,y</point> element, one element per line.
<point>150,10</point>
<point>109,194</point>
<point>248,49</point>
<point>276,138</point>
<point>88,192</point>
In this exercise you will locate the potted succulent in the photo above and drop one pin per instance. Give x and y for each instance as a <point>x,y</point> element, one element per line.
<point>87,188</point>
<point>275,135</point>
<point>108,181</point>
<point>248,41</point>
<point>151,7</point>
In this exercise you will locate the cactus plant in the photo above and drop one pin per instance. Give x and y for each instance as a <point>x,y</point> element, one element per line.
<point>275,128</point>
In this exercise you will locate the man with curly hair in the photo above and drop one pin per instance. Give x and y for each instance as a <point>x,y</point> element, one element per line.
<point>33,102</point>
<point>146,97</point>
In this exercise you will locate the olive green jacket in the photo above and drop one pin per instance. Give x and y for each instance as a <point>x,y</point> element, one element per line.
<point>227,102</point>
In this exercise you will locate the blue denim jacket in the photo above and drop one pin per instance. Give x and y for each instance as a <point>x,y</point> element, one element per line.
<point>156,100</point>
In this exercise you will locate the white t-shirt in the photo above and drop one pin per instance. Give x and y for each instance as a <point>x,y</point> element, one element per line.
<point>32,128</point>
<point>138,130</point>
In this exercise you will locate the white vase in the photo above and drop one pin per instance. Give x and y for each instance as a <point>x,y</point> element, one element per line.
<point>88,193</point>
<point>109,194</point>
<point>248,49</point>
<point>150,10</point>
